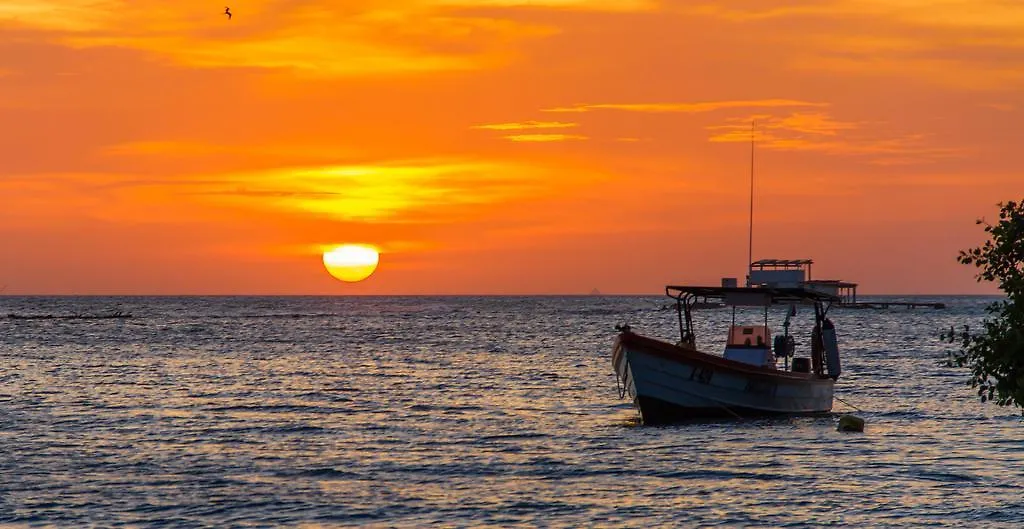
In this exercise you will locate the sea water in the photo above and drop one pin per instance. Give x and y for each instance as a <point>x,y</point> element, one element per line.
<point>468,412</point>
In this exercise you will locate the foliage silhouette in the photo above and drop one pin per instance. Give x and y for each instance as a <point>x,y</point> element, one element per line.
<point>995,355</point>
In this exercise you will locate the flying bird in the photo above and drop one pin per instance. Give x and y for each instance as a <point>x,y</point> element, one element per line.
<point>227,11</point>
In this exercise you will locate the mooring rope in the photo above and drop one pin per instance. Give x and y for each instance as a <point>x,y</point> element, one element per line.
<point>847,403</point>
<point>620,387</point>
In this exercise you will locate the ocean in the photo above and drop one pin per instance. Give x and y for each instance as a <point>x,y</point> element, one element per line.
<point>311,412</point>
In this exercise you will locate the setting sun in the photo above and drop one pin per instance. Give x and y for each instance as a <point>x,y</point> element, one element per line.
<point>351,262</point>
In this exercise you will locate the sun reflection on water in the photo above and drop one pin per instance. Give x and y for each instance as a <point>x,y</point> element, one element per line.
<point>406,412</point>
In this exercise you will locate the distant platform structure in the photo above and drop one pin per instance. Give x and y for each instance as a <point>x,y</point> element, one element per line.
<point>779,273</point>
<point>796,273</point>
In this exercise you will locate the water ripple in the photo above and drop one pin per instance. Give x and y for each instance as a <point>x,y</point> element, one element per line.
<point>465,411</point>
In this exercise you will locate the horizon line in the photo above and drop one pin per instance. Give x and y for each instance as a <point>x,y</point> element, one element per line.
<point>584,295</point>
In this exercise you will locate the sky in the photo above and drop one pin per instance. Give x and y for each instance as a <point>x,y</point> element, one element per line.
<point>501,146</point>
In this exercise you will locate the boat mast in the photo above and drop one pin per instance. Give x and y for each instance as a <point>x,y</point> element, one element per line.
<point>750,235</point>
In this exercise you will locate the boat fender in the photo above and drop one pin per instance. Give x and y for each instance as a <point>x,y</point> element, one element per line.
<point>816,350</point>
<point>850,423</point>
<point>779,346</point>
<point>831,343</point>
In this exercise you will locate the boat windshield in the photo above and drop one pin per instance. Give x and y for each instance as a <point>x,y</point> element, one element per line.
<point>748,336</point>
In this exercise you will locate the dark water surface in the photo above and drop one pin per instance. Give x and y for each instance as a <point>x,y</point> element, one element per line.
<point>466,411</point>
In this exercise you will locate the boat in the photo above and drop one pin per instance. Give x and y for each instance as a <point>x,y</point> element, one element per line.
<point>753,377</point>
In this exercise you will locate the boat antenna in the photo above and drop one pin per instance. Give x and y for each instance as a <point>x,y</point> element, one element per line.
<point>750,236</point>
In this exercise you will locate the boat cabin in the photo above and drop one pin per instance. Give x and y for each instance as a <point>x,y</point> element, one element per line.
<point>750,344</point>
<point>753,344</point>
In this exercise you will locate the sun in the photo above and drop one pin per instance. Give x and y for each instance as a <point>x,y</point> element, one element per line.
<point>351,262</point>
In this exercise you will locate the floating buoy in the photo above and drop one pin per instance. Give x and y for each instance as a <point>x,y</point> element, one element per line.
<point>850,423</point>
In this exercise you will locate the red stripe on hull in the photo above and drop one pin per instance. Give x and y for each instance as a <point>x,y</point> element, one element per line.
<point>693,357</point>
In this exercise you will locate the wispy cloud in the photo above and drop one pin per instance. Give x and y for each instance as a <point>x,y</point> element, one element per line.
<point>754,12</point>
<point>527,125</point>
<point>330,38</point>
<point>964,44</point>
<point>820,132</point>
<point>575,5</point>
<point>386,192</point>
<point>381,192</point>
<point>980,14</point>
<point>956,73</point>
<point>544,137</point>
<point>809,124</point>
<point>707,106</point>
<point>61,15</point>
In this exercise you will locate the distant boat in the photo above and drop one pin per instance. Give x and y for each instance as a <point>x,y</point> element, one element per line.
<point>671,382</point>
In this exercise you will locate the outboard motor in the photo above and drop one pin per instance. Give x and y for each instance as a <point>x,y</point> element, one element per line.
<point>831,343</point>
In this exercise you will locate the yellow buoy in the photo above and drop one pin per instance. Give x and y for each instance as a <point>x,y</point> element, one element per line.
<point>850,423</point>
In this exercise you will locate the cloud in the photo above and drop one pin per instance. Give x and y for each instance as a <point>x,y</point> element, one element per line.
<point>809,123</point>
<point>332,38</point>
<point>527,125</point>
<point>962,75</point>
<point>544,137</point>
<point>535,125</point>
<point>379,192</point>
<point>707,106</point>
<point>61,15</point>
<point>573,5</point>
<point>963,44</point>
<point>978,14</point>
<point>820,132</point>
<point>387,192</point>
<point>756,11</point>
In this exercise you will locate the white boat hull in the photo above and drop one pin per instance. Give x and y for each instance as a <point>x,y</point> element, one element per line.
<point>668,383</point>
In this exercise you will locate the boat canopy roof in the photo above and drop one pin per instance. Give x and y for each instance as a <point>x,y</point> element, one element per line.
<point>751,296</point>
<point>783,263</point>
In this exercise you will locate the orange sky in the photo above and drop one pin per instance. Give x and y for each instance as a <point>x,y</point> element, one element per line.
<point>500,146</point>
